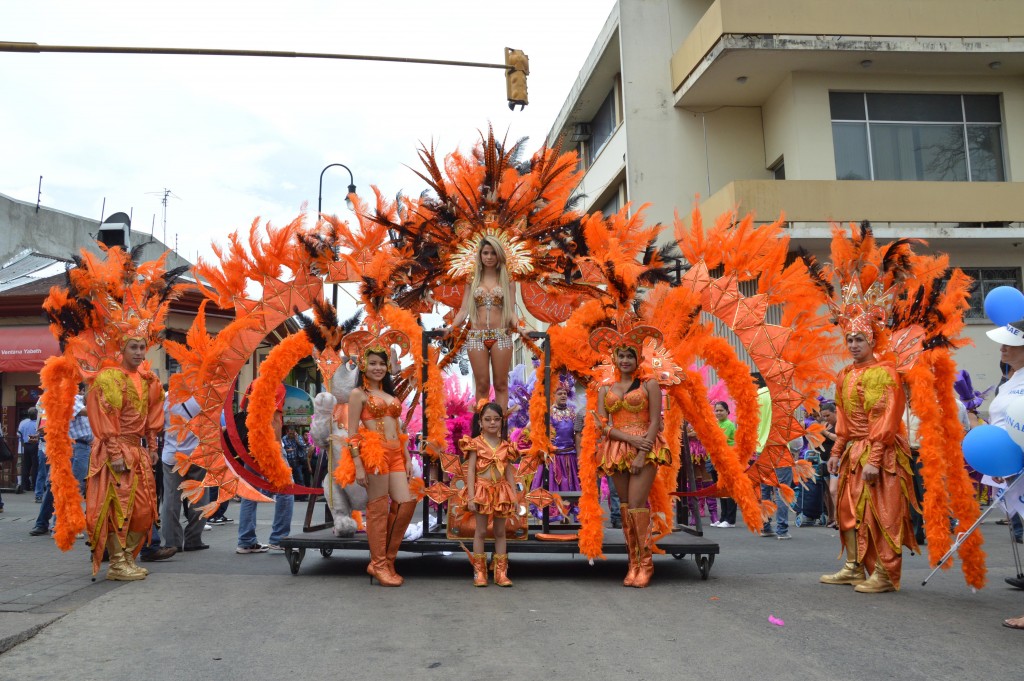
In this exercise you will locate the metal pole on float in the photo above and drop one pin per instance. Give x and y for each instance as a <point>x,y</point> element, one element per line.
<point>424,427</point>
<point>542,336</point>
<point>1017,487</point>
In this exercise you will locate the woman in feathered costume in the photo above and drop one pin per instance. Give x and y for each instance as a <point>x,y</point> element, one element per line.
<point>493,229</point>
<point>489,306</point>
<point>562,466</point>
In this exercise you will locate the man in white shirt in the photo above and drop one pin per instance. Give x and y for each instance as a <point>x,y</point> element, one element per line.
<point>180,442</point>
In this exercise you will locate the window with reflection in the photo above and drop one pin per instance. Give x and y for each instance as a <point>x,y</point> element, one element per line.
<point>916,136</point>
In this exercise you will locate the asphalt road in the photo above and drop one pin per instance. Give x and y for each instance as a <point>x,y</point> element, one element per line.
<point>217,615</point>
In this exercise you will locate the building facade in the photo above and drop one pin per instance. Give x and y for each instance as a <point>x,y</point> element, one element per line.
<point>906,113</point>
<point>37,244</point>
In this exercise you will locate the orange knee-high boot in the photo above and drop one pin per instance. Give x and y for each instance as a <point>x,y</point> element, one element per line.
<point>641,521</point>
<point>399,517</point>
<point>501,570</point>
<point>479,563</point>
<point>377,537</point>
<point>627,532</point>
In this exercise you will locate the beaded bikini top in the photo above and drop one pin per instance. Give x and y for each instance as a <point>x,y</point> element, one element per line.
<point>488,297</point>
<point>378,407</point>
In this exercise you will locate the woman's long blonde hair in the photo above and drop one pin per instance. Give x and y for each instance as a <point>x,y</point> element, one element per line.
<point>504,282</point>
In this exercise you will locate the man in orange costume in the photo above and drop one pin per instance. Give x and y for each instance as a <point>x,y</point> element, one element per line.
<point>872,458</point>
<point>125,407</point>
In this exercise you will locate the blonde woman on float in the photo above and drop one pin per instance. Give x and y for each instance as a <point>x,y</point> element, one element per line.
<point>489,307</point>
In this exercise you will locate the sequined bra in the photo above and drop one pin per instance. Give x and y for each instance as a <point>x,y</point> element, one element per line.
<point>377,407</point>
<point>633,406</point>
<point>488,297</point>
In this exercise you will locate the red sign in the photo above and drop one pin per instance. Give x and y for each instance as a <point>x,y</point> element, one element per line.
<point>548,306</point>
<point>25,348</point>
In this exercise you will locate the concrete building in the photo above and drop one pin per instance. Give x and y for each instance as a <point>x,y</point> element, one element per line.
<point>36,245</point>
<point>908,113</point>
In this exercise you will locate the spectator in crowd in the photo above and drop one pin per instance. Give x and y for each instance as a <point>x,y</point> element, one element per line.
<point>283,503</point>
<point>729,428</point>
<point>784,474</point>
<point>827,417</point>
<point>1011,353</point>
<point>179,443</point>
<point>295,454</point>
<point>28,447</point>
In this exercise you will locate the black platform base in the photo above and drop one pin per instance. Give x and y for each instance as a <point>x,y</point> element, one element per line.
<point>678,544</point>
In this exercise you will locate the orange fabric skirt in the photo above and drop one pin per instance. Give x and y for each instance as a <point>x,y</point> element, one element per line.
<point>616,456</point>
<point>495,498</point>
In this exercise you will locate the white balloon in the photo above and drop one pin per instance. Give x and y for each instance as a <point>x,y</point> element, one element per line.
<point>1015,421</point>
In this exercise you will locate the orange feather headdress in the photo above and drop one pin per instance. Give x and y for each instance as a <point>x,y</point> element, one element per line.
<point>608,341</point>
<point>109,302</point>
<point>362,343</point>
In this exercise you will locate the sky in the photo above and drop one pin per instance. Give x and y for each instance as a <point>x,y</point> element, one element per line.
<point>236,138</point>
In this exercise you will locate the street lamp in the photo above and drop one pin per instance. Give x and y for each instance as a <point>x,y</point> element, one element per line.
<point>348,202</point>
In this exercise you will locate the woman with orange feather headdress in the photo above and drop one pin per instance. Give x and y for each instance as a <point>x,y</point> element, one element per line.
<point>791,356</point>
<point>494,228</point>
<point>106,319</point>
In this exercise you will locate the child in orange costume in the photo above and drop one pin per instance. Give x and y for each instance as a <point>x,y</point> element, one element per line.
<point>490,489</point>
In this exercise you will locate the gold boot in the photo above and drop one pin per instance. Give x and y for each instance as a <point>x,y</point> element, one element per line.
<point>640,519</point>
<point>501,570</point>
<point>119,570</point>
<point>877,583</point>
<point>627,532</point>
<point>399,517</point>
<point>135,540</point>
<point>852,571</point>
<point>479,561</point>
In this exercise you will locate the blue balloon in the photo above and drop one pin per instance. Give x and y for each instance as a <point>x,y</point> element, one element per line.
<point>1004,304</point>
<point>989,450</point>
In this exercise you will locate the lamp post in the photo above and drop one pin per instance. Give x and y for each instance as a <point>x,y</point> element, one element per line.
<point>348,202</point>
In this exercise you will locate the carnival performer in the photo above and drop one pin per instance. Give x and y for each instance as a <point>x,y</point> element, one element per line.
<point>562,466</point>
<point>490,489</point>
<point>489,306</point>
<point>377,445</point>
<point>125,408</point>
<point>872,458</point>
<point>112,310</point>
<point>629,416</point>
<point>901,315</point>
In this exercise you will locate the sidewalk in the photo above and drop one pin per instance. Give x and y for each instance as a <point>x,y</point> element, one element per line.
<point>40,584</point>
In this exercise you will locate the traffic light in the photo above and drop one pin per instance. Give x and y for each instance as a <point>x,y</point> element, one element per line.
<point>515,78</point>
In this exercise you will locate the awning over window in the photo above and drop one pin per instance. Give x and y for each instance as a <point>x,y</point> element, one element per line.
<point>25,348</point>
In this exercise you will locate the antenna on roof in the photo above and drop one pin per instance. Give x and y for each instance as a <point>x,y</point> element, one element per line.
<point>39,194</point>
<point>167,193</point>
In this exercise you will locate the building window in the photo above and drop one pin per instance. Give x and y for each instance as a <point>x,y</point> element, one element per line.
<point>778,170</point>
<point>614,203</point>
<point>986,279</point>
<point>890,136</point>
<point>601,127</point>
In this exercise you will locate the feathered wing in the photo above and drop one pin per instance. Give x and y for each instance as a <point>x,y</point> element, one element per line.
<point>795,355</point>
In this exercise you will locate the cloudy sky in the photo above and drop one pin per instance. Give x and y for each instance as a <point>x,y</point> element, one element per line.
<point>236,138</point>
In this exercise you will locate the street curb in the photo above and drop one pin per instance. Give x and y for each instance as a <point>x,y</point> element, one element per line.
<point>13,630</point>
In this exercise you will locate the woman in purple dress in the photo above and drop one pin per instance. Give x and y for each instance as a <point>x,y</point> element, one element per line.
<point>562,467</point>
